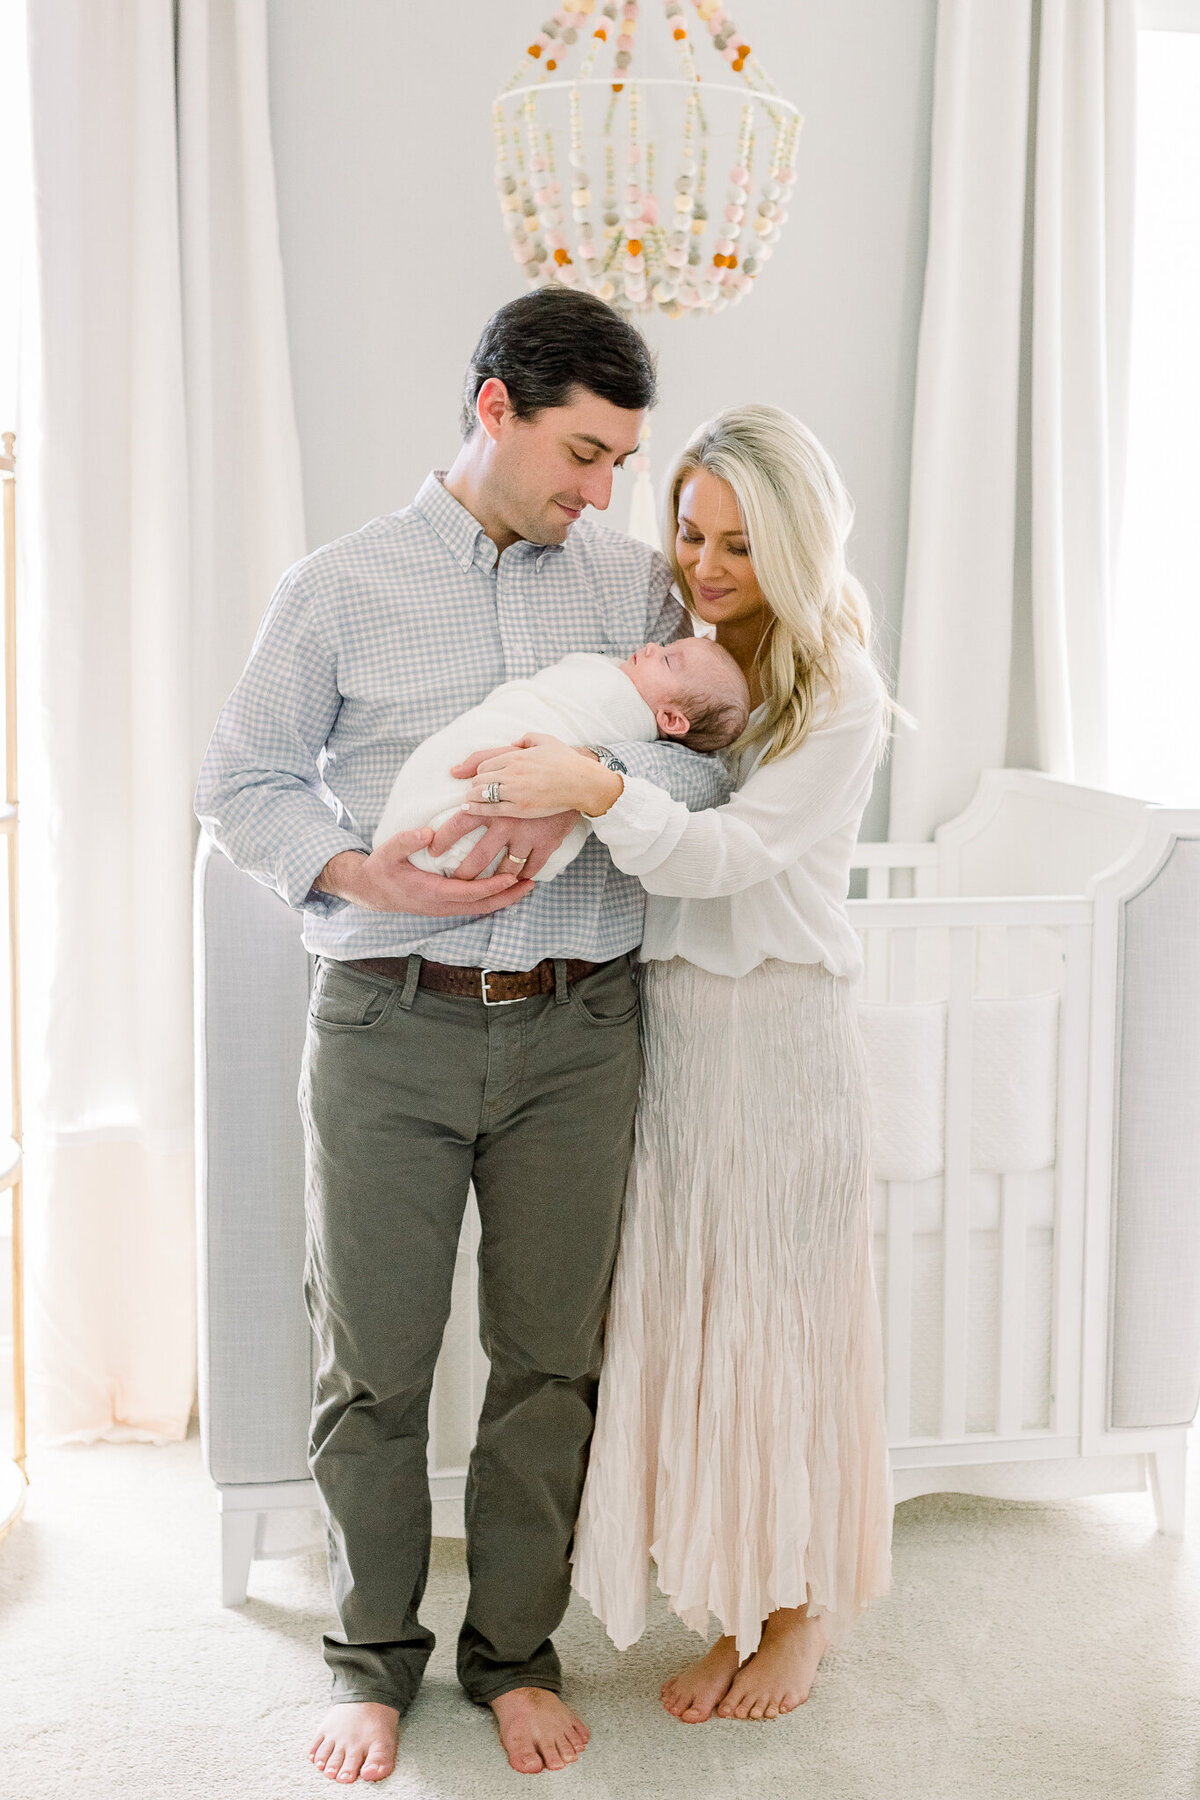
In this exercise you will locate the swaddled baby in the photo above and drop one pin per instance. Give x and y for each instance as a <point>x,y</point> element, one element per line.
<point>690,691</point>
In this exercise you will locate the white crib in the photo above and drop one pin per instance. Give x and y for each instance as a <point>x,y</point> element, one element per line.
<point>1031,1010</point>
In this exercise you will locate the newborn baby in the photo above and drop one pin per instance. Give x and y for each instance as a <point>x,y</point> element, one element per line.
<point>690,691</point>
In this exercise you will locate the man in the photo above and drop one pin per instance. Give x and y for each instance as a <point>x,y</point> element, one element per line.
<point>461,1029</point>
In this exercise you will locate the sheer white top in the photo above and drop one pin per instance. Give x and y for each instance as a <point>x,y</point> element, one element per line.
<point>766,874</point>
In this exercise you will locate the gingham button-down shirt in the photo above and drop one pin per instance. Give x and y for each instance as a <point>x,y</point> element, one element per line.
<point>383,637</point>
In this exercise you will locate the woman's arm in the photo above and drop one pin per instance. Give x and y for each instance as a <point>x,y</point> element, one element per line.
<point>782,811</point>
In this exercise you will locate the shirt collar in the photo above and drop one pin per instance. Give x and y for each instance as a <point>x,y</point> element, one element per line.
<point>460,530</point>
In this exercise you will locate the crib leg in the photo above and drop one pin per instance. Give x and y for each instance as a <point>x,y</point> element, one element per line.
<point>1167,1470</point>
<point>238,1530</point>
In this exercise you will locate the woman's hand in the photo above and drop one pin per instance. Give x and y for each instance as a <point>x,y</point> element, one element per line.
<point>538,776</point>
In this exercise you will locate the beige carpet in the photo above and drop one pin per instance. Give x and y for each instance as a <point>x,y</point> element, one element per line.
<point>1026,1650</point>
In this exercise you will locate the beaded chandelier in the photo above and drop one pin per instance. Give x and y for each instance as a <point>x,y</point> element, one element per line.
<point>640,251</point>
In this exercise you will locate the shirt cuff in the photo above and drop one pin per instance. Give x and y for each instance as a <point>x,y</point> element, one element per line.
<point>302,862</point>
<point>642,826</point>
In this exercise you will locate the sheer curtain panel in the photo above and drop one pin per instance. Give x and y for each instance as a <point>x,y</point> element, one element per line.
<point>165,501</point>
<point>1022,371</point>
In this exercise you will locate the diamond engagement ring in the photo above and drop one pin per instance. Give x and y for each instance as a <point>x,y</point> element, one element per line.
<point>491,793</point>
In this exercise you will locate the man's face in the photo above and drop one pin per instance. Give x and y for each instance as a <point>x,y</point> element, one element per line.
<point>544,471</point>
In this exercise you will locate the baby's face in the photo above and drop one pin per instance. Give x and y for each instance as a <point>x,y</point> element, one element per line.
<point>661,673</point>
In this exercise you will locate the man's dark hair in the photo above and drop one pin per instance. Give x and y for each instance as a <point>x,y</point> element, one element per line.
<point>552,341</point>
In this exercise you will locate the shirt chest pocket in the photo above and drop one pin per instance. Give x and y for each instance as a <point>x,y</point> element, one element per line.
<point>609,627</point>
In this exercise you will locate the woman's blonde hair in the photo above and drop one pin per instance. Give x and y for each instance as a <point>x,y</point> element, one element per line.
<point>797,517</point>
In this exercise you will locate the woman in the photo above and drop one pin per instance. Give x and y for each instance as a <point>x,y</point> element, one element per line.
<point>740,1436</point>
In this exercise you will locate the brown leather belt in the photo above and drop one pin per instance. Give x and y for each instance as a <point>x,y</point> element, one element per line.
<point>495,987</point>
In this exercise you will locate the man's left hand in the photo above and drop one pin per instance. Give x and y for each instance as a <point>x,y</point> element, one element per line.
<point>528,843</point>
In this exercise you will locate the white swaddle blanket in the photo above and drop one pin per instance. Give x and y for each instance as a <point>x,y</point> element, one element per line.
<point>584,699</point>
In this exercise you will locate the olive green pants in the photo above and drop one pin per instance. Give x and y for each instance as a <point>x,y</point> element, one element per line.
<point>408,1096</point>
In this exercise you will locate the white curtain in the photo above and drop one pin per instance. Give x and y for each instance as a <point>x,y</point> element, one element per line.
<point>1019,430</point>
<point>162,501</point>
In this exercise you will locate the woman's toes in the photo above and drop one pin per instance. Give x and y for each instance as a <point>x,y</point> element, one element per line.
<point>772,1711</point>
<point>758,1709</point>
<point>333,1762</point>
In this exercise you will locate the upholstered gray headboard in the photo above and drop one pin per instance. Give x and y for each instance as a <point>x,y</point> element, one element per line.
<point>252,980</point>
<point>1155,1318</point>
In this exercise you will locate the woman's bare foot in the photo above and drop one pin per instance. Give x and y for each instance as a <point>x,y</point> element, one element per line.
<point>778,1676</point>
<point>538,1730</point>
<point>692,1694</point>
<point>357,1738</point>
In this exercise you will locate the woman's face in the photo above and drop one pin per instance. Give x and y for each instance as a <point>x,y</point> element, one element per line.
<point>710,545</point>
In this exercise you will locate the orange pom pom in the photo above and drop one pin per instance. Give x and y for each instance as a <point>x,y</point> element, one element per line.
<point>552,64</point>
<point>737,67</point>
<point>535,50</point>
<point>561,257</point>
<point>679,34</point>
<point>601,34</point>
<point>743,51</point>
<point>634,246</point>
<point>617,86</point>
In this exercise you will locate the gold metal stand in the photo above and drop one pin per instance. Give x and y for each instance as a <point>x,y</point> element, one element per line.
<point>13,1480</point>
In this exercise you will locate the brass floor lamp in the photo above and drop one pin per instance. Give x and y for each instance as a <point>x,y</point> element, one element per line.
<point>12,1470</point>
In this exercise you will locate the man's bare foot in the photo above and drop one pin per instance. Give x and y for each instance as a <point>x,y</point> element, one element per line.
<point>357,1738</point>
<point>538,1730</point>
<point>692,1694</point>
<point>777,1678</point>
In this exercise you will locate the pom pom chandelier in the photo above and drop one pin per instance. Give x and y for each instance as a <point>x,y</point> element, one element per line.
<point>635,249</point>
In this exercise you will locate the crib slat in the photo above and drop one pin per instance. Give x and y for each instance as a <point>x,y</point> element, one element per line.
<point>878,882</point>
<point>1073,1034</point>
<point>925,881</point>
<point>956,1215</point>
<point>899,1310</point>
<point>1019,946</point>
<point>1013,1229</point>
<point>904,966</point>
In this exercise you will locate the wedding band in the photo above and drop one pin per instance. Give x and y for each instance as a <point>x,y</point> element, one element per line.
<point>520,861</point>
<point>491,793</point>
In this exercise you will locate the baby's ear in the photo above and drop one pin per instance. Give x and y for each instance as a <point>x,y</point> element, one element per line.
<point>672,723</point>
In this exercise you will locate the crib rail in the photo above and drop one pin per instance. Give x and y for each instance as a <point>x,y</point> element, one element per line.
<point>992,1252</point>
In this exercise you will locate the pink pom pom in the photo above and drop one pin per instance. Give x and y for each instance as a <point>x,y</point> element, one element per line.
<point>739,176</point>
<point>538,164</point>
<point>677,258</point>
<point>633,192</point>
<point>735,214</point>
<point>723,246</point>
<point>650,210</point>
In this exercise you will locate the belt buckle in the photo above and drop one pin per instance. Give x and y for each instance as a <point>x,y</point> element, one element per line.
<point>518,1000</point>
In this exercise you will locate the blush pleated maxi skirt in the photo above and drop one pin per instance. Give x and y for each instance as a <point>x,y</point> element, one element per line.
<point>740,1440</point>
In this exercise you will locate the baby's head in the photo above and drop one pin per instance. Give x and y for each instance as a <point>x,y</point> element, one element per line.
<point>694,689</point>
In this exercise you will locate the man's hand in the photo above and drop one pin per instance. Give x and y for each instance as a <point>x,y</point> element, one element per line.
<point>385,881</point>
<point>529,843</point>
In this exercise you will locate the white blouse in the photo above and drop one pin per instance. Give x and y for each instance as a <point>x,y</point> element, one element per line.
<point>767,874</point>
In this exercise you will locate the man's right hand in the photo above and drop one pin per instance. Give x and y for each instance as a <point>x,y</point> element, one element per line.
<point>385,881</point>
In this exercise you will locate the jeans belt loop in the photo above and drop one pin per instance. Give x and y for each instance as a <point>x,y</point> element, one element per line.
<point>411,978</point>
<point>560,981</point>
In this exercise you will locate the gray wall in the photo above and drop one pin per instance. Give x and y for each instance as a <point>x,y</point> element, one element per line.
<point>394,254</point>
